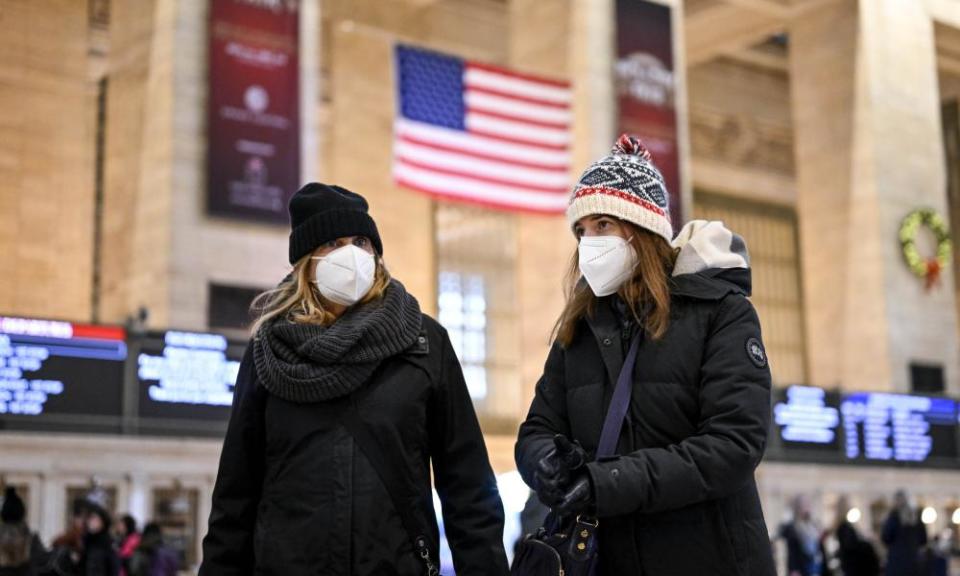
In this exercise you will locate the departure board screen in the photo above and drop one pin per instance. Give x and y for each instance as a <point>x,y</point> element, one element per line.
<point>808,418</point>
<point>60,372</point>
<point>187,376</point>
<point>900,428</point>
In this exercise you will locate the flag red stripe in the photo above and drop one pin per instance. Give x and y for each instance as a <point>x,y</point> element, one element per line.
<point>479,202</point>
<point>524,141</point>
<point>481,178</point>
<point>517,97</point>
<point>483,156</point>
<point>519,75</point>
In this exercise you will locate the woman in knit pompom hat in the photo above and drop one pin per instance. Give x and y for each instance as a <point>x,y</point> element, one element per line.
<point>675,493</point>
<point>346,398</point>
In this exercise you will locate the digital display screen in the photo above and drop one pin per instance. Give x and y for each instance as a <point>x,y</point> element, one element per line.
<point>899,428</point>
<point>60,371</point>
<point>807,418</point>
<point>187,376</point>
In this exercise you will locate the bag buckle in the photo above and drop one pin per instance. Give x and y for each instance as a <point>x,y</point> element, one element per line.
<point>582,520</point>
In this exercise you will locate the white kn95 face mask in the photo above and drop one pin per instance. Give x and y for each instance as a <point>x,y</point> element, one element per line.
<point>606,262</point>
<point>345,275</point>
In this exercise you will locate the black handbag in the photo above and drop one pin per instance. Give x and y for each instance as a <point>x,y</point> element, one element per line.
<point>568,546</point>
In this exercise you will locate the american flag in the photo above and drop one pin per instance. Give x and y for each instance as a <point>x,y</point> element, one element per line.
<point>481,133</point>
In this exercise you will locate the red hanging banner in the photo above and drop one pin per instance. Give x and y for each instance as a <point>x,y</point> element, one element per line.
<point>253,133</point>
<point>645,85</point>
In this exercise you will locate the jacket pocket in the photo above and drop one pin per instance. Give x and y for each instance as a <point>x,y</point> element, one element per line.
<point>691,540</point>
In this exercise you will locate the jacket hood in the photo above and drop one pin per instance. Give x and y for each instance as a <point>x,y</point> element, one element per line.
<point>712,262</point>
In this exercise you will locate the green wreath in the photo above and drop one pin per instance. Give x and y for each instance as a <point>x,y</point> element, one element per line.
<point>926,268</point>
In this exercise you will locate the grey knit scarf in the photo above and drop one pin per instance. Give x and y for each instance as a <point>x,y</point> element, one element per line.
<point>308,363</point>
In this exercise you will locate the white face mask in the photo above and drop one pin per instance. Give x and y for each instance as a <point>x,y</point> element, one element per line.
<point>606,262</point>
<point>345,275</point>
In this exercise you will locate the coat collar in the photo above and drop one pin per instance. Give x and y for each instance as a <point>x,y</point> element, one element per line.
<point>712,284</point>
<point>606,329</point>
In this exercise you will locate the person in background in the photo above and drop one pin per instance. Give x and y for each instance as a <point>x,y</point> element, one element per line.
<point>21,552</point>
<point>935,560</point>
<point>803,541</point>
<point>99,558</point>
<point>904,535</point>
<point>128,538</point>
<point>69,544</point>
<point>66,550</point>
<point>856,554</point>
<point>152,557</point>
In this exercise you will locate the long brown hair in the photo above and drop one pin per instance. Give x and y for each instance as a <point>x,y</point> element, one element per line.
<point>298,299</point>
<point>648,289</point>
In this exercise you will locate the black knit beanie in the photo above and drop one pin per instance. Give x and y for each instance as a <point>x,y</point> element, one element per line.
<point>320,213</point>
<point>13,510</point>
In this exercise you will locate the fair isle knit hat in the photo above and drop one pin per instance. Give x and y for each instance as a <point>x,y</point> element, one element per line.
<point>626,185</point>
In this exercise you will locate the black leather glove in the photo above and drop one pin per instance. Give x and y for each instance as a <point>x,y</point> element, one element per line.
<point>578,498</point>
<point>571,454</point>
<point>549,479</point>
<point>555,470</point>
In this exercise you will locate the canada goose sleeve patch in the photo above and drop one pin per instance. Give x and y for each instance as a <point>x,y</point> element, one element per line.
<point>756,353</point>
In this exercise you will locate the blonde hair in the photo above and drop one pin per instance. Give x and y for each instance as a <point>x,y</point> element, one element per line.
<point>298,300</point>
<point>649,286</point>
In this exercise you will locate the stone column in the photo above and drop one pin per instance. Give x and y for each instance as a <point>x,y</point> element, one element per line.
<point>137,201</point>
<point>868,151</point>
<point>47,128</point>
<point>898,166</point>
<point>545,242</point>
<point>822,66</point>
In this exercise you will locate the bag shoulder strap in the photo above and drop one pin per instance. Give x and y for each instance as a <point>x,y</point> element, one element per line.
<point>401,489</point>
<point>619,403</point>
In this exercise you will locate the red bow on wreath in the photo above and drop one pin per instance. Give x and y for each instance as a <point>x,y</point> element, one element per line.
<point>933,273</point>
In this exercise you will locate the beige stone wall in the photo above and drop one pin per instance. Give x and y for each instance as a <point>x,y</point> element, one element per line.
<point>206,249</point>
<point>742,130</point>
<point>138,172</point>
<point>361,155</point>
<point>869,150</point>
<point>898,117</point>
<point>361,126</point>
<point>822,70</point>
<point>46,160</point>
<point>357,140</point>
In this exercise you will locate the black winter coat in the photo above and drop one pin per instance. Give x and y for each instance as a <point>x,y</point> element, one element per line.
<point>681,499</point>
<point>295,495</point>
<point>904,543</point>
<point>99,557</point>
<point>801,559</point>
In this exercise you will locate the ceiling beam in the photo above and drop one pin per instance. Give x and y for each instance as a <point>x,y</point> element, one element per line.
<point>726,27</point>
<point>773,8</point>
<point>760,59</point>
<point>948,64</point>
<point>723,28</point>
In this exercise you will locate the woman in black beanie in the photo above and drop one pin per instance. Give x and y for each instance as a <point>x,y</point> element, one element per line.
<point>345,397</point>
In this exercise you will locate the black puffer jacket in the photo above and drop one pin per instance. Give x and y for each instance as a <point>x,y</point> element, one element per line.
<point>296,496</point>
<point>681,499</point>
